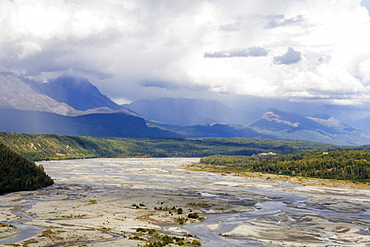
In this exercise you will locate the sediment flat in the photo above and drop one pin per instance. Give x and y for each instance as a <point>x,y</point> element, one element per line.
<point>134,202</point>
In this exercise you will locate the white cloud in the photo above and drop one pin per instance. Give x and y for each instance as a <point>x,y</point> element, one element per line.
<point>305,49</point>
<point>28,49</point>
<point>291,56</point>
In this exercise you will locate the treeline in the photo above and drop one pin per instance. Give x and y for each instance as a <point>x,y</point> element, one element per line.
<point>45,147</point>
<point>351,165</point>
<point>18,173</point>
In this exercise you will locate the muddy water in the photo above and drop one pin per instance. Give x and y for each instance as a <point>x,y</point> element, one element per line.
<point>269,213</point>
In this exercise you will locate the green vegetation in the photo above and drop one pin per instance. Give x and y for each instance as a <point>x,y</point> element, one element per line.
<point>193,216</point>
<point>351,165</point>
<point>155,239</point>
<point>18,173</point>
<point>149,231</point>
<point>91,202</point>
<point>47,232</point>
<point>181,220</point>
<point>45,147</point>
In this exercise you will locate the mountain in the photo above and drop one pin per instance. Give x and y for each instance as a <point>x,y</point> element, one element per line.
<point>77,92</point>
<point>363,123</point>
<point>186,112</point>
<point>18,173</point>
<point>109,124</point>
<point>293,126</point>
<point>216,130</point>
<point>81,109</point>
<point>24,94</point>
<point>25,108</point>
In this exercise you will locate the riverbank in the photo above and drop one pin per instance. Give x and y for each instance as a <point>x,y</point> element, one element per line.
<point>305,181</point>
<point>7,231</point>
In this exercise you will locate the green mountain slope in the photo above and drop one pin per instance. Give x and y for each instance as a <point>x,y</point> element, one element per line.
<point>42,147</point>
<point>18,173</point>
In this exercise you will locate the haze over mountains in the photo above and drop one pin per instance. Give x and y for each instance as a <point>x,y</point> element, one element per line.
<point>184,112</point>
<point>73,106</point>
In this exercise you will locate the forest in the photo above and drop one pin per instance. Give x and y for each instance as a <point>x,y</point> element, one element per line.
<point>18,173</point>
<point>335,164</point>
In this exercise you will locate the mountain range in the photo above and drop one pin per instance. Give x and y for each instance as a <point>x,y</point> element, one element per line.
<point>293,126</point>
<point>73,106</point>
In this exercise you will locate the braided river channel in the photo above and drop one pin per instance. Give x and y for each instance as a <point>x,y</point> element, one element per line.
<point>104,202</point>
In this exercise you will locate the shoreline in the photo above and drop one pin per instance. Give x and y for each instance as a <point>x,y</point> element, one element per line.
<point>6,231</point>
<point>304,181</point>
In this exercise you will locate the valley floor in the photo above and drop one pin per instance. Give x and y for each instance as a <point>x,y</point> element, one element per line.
<point>135,202</point>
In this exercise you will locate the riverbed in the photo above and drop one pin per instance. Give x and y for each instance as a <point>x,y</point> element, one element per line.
<point>136,201</point>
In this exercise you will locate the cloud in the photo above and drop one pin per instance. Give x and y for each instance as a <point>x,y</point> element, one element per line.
<point>250,52</point>
<point>290,57</point>
<point>135,49</point>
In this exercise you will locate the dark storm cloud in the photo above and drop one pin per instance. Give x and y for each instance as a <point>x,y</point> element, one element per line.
<point>290,57</point>
<point>280,21</point>
<point>250,52</point>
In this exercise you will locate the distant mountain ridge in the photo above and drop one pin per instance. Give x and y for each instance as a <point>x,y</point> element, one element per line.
<point>276,120</point>
<point>109,124</point>
<point>216,130</point>
<point>293,126</point>
<point>183,111</point>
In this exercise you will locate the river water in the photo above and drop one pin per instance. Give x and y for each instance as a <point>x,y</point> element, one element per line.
<point>270,213</point>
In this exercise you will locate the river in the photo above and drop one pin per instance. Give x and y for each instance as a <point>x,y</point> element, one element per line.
<point>239,211</point>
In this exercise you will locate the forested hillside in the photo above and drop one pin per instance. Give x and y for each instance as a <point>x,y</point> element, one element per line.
<point>336,164</point>
<point>18,173</point>
<point>287,157</point>
<point>43,147</point>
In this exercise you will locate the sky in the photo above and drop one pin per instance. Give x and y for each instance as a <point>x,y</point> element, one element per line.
<point>299,50</point>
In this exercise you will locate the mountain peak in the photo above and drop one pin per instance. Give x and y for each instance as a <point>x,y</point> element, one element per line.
<point>77,92</point>
<point>24,94</point>
<point>321,116</point>
<point>329,122</point>
<point>72,80</point>
<point>274,115</point>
